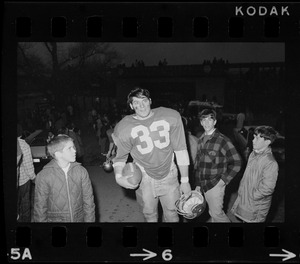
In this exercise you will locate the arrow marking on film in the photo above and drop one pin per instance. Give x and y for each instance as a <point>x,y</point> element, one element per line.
<point>147,255</point>
<point>287,256</point>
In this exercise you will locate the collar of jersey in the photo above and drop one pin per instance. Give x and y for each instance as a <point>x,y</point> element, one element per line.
<point>136,117</point>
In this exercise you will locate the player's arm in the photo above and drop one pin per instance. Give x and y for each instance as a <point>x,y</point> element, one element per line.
<point>182,157</point>
<point>183,162</point>
<point>123,150</point>
<point>120,179</point>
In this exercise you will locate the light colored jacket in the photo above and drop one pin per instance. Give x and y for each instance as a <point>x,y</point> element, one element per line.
<point>63,199</point>
<point>256,187</point>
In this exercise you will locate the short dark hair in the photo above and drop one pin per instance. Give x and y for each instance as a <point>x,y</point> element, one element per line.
<point>208,112</point>
<point>58,143</point>
<point>267,132</point>
<point>137,92</point>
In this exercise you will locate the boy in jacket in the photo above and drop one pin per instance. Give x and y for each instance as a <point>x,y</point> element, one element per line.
<point>63,190</point>
<point>258,183</point>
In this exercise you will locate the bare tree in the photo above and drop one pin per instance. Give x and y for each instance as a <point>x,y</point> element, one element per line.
<point>69,66</point>
<point>81,59</point>
<point>28,63</point>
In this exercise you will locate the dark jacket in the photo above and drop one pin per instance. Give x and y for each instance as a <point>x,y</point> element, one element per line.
<point>216,159</point>
<point>63,199</point>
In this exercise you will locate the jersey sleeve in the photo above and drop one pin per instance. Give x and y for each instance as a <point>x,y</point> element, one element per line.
<point>177,134</point>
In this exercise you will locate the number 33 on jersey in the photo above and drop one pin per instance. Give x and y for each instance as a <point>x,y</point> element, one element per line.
<point>144,134</point>
<point>151,142</point>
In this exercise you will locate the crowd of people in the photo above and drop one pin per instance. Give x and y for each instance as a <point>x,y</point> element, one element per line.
<point>162,142</point>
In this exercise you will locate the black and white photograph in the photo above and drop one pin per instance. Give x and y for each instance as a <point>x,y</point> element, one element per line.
<point>122,132</point>
<point>159,132</point>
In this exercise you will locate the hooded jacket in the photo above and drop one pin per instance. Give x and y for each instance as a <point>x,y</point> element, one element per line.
<point>256,187</point>
<point>61,198</point>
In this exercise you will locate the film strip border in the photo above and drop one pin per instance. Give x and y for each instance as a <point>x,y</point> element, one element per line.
<point>155,21</point>
<point>137,242</point>
<point>159,22</point>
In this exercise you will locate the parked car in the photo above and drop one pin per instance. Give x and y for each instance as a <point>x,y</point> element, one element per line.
<point>244,139</point>
<point>38,145</point>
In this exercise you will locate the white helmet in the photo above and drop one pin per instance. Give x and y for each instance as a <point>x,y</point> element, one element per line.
<point>192,206</point>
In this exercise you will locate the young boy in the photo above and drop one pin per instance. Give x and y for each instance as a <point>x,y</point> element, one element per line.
<point>217,163</point>
<point>259,180</point>
<point>63,191</point>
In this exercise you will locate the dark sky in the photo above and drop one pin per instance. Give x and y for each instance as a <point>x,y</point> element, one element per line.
<point>187,53</point>
<point>195,53</point>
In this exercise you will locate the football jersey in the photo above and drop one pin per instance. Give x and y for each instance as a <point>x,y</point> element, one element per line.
<point>151,142</point>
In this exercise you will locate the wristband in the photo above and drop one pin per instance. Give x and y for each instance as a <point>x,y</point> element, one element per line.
<point>184,179</point>
<point>118,175</point>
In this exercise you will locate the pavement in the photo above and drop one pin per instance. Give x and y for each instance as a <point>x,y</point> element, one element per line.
<point>113,203</point>
<point>116,204</point>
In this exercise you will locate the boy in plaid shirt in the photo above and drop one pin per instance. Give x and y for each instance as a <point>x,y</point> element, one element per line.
<point>217,162</point>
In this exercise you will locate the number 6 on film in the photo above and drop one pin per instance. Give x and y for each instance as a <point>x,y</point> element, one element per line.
<point>167,255</point>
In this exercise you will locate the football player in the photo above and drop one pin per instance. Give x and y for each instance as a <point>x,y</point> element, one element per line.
<point>153,137</point>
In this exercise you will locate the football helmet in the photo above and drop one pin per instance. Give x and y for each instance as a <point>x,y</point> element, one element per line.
<point>192,206</point>
<point>108,165</point>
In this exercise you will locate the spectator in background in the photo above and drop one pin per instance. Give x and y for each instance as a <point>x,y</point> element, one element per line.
<point>59,123</point>
<point>240,119</point>
<point>239,127</point>
<point>63,130</point>
<point>94,118</point>
<point>249,117</point>
<point>90,119</point>
<point>78,135</point>
<point>258,183</point>
<point>279,126</point>
<point>98,127</point>
<point>64,118</point>
<point>103,139</point>
<point>112,146</point>
<point>49,123</point>
<point>27,175</point>
<point>70,113</point>
<point>19,161</point>
<point>50,136</point>
<point>77,145</point>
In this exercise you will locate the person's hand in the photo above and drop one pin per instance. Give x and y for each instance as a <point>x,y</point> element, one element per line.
<point>122,181</point>
<point>198,189</point>
<point>222,182</point>
<point>185,188</point>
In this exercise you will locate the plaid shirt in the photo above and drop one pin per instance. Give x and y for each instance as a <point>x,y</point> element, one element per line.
<point>216,159</point>
<point>26,167</point>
